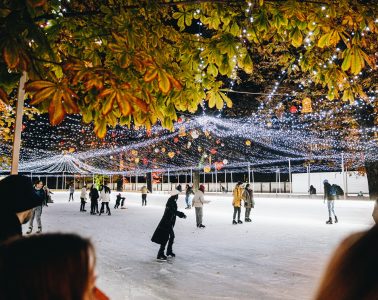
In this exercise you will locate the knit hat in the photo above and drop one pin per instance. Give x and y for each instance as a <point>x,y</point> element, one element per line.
<point>17,194</point>
<point>202,188</point>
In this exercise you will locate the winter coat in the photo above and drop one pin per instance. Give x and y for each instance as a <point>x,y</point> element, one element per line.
<point>199,199</point>
<point>189,191</point>
<point>83,193</point>
<point>42,195</point>
<point>167,222</point>
<point>71,189</point>
<point>238,192</point>
<point>93,194</point>
<point>144,190</point>
<point>249,202</point>
<point>105,194</point>
<point>327,194</point>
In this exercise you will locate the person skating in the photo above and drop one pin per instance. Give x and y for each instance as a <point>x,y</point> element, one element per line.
<point>144,191</point>
<point>105,198</point>
<point>123,202</point>
<point>118,201</point>
<point>236,202</point>
<point>164,232</point>
<point>188,193</point>
<point>83,198</point>
<point>93,195</point>
<point>71,189</point>
<point>249,202</point>
<point>37,211</point>
<point>330,194</point>
<point>197,203</point>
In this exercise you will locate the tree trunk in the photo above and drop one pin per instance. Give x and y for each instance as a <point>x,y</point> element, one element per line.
<point>149,181</point>
<point>196,180</point>
<point>372,177</point>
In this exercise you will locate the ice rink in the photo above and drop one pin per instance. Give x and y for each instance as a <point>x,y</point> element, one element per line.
<point>281,254</point>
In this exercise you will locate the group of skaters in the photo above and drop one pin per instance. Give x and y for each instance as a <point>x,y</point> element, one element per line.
<point>95,195</point>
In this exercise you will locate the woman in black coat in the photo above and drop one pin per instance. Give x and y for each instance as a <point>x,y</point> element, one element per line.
<point>93,195</point>
<point>164,231</point>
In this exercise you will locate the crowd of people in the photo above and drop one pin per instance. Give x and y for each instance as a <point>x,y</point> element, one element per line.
<point>65,269</point>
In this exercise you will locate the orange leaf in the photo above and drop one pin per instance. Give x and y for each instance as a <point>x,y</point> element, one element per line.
<point>36,3</point>
<point>108,105</point>
<point>164,83</point>
<point>11,56</point>
<point>123,104</point>
<point>42,95</point>
<point>175,82</point>
<point>69,105</point>
<point>4,96</point>
<point>140,103</point>
<point>35,86</point>
<point>150,74</point>
<point>56,109</point>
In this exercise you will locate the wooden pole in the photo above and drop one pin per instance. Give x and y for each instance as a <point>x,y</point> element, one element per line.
<point>18,125</point>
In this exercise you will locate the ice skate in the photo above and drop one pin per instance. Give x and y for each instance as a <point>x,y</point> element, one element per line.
<point>240,222</point>
<point>161,257</point>
<point>336,220</point>
<point>29,230</point>
<point>329,221</point>
<point>201,226</point>
<point>39,230</point>
<point>234,222</point>
<point>171,254</point>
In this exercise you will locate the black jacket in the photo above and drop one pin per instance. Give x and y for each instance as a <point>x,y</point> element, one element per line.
<point>93,194</point>
<point>167,222</point>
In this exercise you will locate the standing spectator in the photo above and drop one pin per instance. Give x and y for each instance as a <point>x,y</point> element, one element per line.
<point>83,198</point>
<point>236,202</point>
<point>164,232</point>
<point>16,209</point>
<point>188,193</point>
<point>249,202</point>
<point>93,195</point>
<point>37,211</point>
<point>144,191</point>
<point>118,200</point>
<point>49,266</point>
<point>105,198</point>
<point>197,202</point>
<point>71,189</point>
<point>312,191</point>
<point>330,194</point>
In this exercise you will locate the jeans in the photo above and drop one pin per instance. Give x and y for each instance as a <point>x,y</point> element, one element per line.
<point>71,196</point>
<point>199,215</point>
<point>237,210</point>
<point>37,212</point>
<point>144,199</point>
<point>331,207</point>
<point>103,204</point>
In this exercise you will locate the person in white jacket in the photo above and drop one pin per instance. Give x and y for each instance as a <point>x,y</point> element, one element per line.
<point>83,198</point>
<point>105,199</point>
<point>197,203</point>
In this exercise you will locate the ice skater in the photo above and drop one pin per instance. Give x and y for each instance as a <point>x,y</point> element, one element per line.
<point>144,191</point>
<point>249,202</point>
<point>236,202</point>
<point>83,198</point>
<point>71,189</point>
<point>118,201</point>
<point>93,195</point>
<point>330,194</point>
<point>105,198</point>
<point>188,193</point>
<point>37,211</point>
<point>197,203</point>
<point>164,232</point>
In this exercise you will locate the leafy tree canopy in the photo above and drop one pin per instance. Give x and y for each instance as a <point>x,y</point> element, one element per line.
<point>139,62</point>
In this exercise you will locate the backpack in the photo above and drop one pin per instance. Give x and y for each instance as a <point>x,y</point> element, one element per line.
<point>333,190</point>
<point>339,190</point>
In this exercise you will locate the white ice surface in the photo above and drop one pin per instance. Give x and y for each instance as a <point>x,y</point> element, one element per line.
<point>280,255</point>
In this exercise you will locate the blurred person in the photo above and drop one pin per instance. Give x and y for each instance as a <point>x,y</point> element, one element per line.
<point>197,203</point>
<point>48,194</point>
<point>375,212</point>
<point>83,198</point>
<point>37,211</point>
<point>164,232</point>
<point>312,191</point>
<point>144,192</point>
<point>249,202</point>
<point>188,193</point>
<point>330,194</point>
<point>93,196</point>
<point>118,200</point>
<point>352,272</point>
<point>105,199</point>
<point>18,200</point>
<point>236,202</point>
<point>71,189</point>
<point>50,266</point>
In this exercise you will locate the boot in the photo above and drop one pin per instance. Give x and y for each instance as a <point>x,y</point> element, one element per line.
<point>161,256</point>
<point>201,226</point>
<point>39,230</point>
<point>29,230</point>
<point>240,222</point>
<point>336,220</point>
<point>329,221</point>
<point>170,253</point>
<point>234,222</point>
